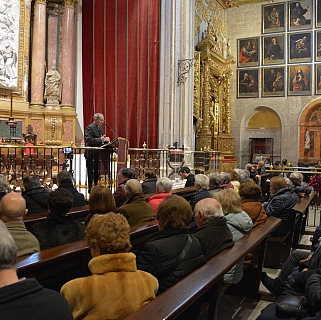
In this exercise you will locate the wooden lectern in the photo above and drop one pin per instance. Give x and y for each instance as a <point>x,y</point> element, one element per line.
<point>106,159</point>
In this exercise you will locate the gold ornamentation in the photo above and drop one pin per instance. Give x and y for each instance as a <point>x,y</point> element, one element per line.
<point>69,3</point>
<point>39,1</point>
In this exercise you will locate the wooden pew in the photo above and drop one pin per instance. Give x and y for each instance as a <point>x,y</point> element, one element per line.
<point>54,267</point>
<point>283,245</point>
<point>78,213</point>
<point>207,279</point>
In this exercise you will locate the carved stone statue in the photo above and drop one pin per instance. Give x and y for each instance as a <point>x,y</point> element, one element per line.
<point>307,140</point>
<point>53,86</point>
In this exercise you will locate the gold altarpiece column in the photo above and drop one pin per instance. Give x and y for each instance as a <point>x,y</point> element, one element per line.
<point>212,108</point>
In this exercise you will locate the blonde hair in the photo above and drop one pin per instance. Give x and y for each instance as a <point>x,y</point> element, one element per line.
<point>230,201</point>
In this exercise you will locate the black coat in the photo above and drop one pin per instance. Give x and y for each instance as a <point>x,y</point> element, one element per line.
<point>214,236</point>
<point>56,231</point>
<point>79,199</point>
<point>160,252</point>
<point>36,200</point>
<point>149,186</point>
<point>190,180</point>
<point>199,195</point>
<point>93,135</point>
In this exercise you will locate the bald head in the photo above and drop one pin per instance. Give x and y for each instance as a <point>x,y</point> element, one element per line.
<point>12,207</point>
<point>207,209</point>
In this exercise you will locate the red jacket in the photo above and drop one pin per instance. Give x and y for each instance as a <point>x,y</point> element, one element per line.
<point>155,200</point>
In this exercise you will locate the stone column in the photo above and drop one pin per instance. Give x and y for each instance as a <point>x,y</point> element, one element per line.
<point>38,55</point>
<point>68,54</point>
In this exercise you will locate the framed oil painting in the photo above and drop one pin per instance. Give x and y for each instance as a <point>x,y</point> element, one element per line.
<point>273,82</point>
<point>273,49</point>
<point>300,15</point>
<point>318,13</point>
<point>248,52</point>
<point>273,18</point>
<point>318,79</point>
<point>299,80</point>
<point>248,83</point>
<point>299,47</point>
<point>317,46</point>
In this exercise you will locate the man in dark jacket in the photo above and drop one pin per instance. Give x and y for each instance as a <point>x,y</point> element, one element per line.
<point>135,209</point>
<point>35,195</point>
<point>280,204</point>
<point>213,233</point>
<point>185,173</point>
<point>201,185</point>
<point>25,298</point>
<point>64,180</point>
<point>58,228</point>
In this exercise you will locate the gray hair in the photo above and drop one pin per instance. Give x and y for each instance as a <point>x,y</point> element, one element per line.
<point>31,182</point>
<point>297,175</point>
<point>214,178</point>
<point>164,185</point>
<point>64,176</point>
<point>288,182</point>
<point>132,187</point>
<point>202,180</point>
<point>245,174</point>
<point>3,183</point>
<point>8,248</point>
<point>97,115</point>
<point>210,207</point>
<point>128,173</point>
<point>226,177</point>
<point>240,173</point>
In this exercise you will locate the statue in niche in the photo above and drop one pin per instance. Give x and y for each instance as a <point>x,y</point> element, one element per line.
<point>307,139</point>
<point>53,86</point>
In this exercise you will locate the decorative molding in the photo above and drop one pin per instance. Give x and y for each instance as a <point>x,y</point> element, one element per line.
<point>69,3</point>
<point>184,67</point>
<point>39,2</point>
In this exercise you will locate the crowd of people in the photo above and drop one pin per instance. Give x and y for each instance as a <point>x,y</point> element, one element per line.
<point>224,208</point>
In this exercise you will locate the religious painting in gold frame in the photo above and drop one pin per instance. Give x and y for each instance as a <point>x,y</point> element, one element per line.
<point>248,83</point>
<point>318,79</point>
<point>299,80</point>
<point>273,82</point>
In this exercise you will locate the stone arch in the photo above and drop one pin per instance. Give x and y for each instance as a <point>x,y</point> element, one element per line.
<point>310,133</point>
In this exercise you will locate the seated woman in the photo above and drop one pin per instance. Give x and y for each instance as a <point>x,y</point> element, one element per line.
<point>171,254</point>
<point>280,204</point>
<point>239,223</point>
<point>101,201</point>
<point>149,184</point>
<point>116,288</point>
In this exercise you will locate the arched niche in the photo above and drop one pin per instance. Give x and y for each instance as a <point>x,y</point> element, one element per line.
<point>310,133</point>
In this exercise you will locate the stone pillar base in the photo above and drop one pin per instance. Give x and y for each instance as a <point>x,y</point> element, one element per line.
<point>67,106</point>
<point>36,106</point>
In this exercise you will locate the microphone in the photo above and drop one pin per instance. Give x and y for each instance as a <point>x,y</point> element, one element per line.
<point>110,128</point>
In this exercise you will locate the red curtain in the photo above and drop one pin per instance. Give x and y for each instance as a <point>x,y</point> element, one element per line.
<point>121,67</point>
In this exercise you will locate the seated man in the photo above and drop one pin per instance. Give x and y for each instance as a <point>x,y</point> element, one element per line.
<point>64,180</point>
<point>212,231</point>
<point>35,195</point>
<point>201,185</point>
<point>12,211</point>
<point>163,188</point>
<point>135,208</point>
<point>116,288</point>
<point>58,228</point>
<point>25,298</point>
<point>214,183</point>
<point>185,173</point>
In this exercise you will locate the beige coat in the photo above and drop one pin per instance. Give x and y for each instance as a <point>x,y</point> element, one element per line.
<point>115,290</point>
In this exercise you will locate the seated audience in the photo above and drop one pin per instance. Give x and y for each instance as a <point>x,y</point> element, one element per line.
<point>253,173</point>
<point>239,223</point>
<point>250,194</point>
<point>235,179</point>
<point>297,179</point>
<point>316,183</point>
<point>116,288</point>
<point>64,180</point>
<point>4,185</point>
<point>101,201</point>
<point>260,167</point>
<point>125,174</point>
<point>212,231</point>
<point>163,188</point>
<point>277,165</point>
<point>214,183</point>
<point>226,181</point>
<point>12,211</point>
<point>35,195</point>
<point>135,208</point>
<point>201,185</point>
<point>58,228</point>
<point>171,254</point>
<point>25,298</point>
<point>149,184</point>
<point>280,204</point>
<point>185,173</point>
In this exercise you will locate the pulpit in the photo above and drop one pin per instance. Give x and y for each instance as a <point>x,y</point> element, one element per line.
<point>106,159</point>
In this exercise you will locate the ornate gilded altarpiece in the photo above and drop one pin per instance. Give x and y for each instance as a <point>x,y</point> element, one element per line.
<point>212,108</point>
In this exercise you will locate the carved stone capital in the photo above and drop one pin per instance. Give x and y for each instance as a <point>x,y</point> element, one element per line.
<point>41,2</point>
<point>69,3</point>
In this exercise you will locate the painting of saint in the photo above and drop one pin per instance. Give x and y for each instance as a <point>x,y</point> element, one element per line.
<point>273,50</point>
<point>300,47</point>
<point>273,82</point>
<point>299,80</point>
<point>318,79</point>
<point>248,83</point>
<point>273,18</point>
<point>300,14</point>
<point>248,52</point>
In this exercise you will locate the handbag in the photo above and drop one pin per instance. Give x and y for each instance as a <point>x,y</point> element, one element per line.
<point>291,306</point>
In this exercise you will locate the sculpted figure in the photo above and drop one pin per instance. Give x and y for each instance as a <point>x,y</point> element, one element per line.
<point>53,86</point>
